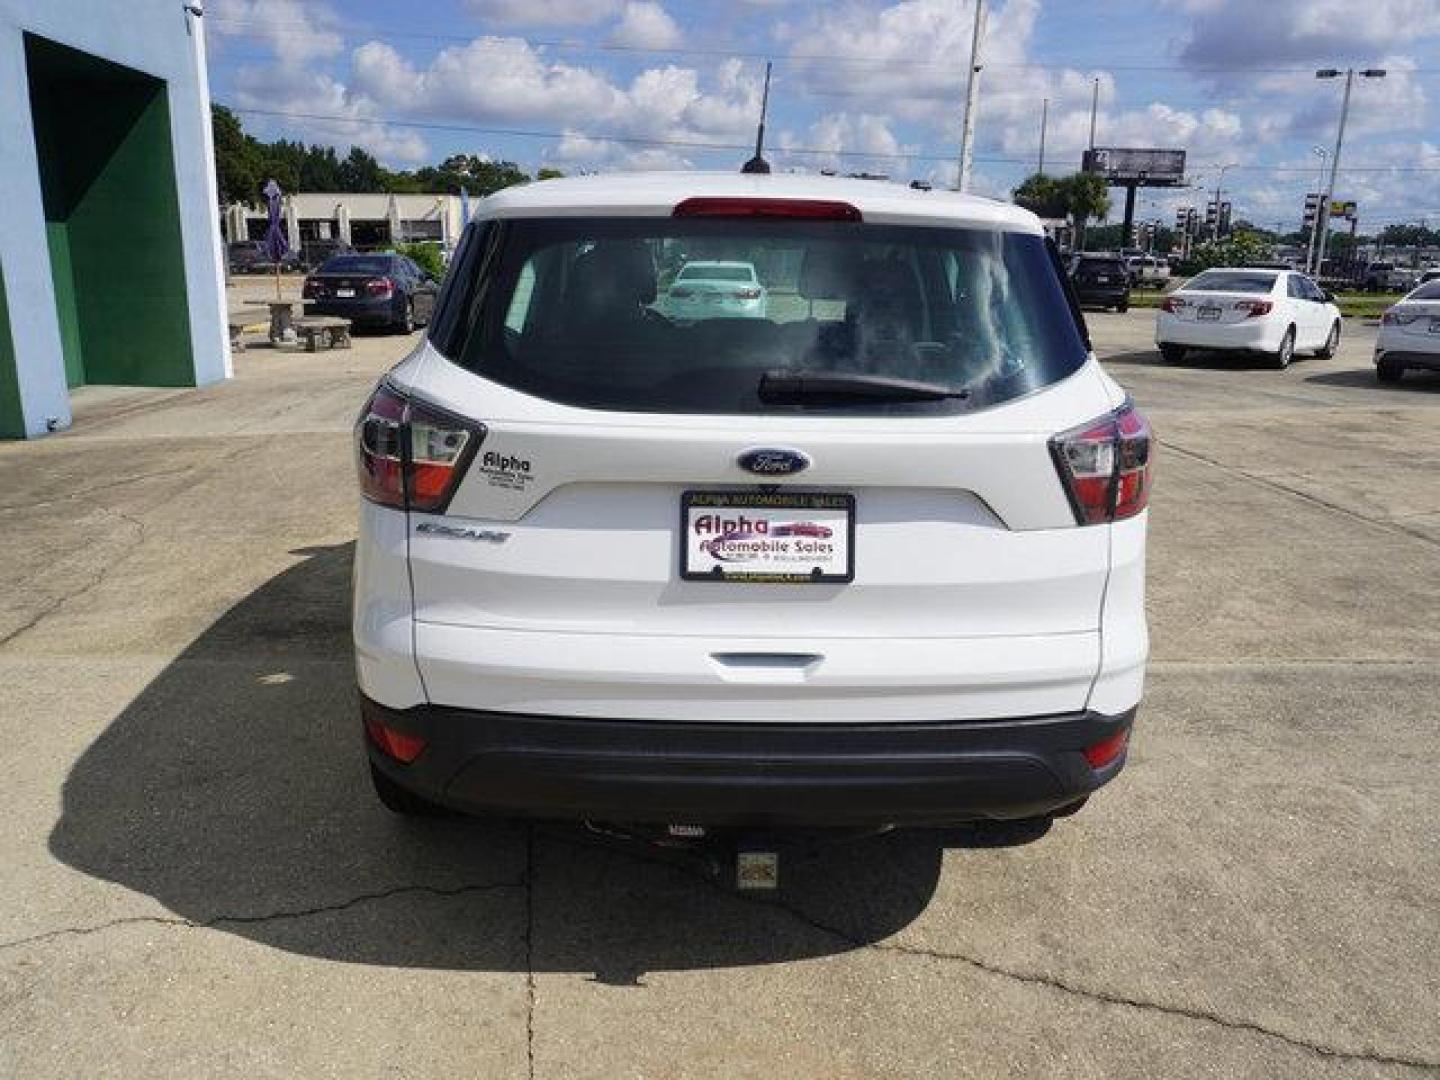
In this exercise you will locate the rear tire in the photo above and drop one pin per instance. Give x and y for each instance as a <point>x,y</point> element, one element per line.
<point>1389,370</point>
<point>1172,354</point>
<point>403,801</point>
<point>1281,357</point>
<point>1332,343</point>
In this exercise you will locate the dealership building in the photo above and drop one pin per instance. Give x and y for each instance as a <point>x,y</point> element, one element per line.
<point>362,221</point>
<point>111,266</point>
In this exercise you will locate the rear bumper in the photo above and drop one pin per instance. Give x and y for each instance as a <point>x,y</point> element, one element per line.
<point>1424,358</point>
<point>1257,335</point>
<point>372,312</point>
<point>648,771</point>
<point>1104,295</point>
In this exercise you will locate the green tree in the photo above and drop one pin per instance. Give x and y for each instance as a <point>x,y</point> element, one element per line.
<point>360,172</point>
<point>237,160</point>
<point>1241,248</point>
<point>547,173</point>
<point>1042,195</point>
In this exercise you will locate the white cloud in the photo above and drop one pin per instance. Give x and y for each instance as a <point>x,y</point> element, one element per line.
<point>646,25</point>
<point>296,31</point>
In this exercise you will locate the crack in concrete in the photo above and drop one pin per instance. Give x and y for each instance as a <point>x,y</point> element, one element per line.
<point>83,492</point>
<point>1379,523</point>
<point>284,915</point>
<point>1052,982</point>
<point>530,951</point>
<point>94,583</point>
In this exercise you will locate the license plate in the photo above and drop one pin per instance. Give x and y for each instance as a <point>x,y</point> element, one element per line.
<point>1435,326</point>
<point>345,293</point>
<point>789,537</point>
<point>1209,314</point>
<point>1102,280</point>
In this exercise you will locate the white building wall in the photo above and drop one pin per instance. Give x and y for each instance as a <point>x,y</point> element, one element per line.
<point>156,37</point>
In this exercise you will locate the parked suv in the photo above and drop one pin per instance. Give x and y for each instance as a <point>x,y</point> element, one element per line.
<point>874,557</point>
<point>1101,281</point>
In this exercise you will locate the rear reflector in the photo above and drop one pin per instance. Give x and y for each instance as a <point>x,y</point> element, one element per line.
<point>411,455</point>
<point>808,209</point>
<point>1105,466</point>
<point>1107,750</point>
<point>402,747</point>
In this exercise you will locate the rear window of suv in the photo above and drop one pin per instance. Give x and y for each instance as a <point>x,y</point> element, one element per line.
<point>573,310</point>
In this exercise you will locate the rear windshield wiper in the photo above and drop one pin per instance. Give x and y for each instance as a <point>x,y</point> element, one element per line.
<point>840,387</point>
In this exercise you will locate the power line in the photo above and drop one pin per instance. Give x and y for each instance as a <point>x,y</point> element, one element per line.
<point>700,144</point>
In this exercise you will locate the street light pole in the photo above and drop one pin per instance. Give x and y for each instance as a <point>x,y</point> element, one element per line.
<point>972,95</point>
<point>1322,154</point>
<point>1044,121</point>
<point>1324,215</point>
<point>1094,104</point>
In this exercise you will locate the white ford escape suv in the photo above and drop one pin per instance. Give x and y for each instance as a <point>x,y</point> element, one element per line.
<point>874,557</point>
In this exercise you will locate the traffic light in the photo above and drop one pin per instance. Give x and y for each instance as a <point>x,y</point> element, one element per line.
<point>1312,208</point>
<point>1225,219</point>
<point>1134,239</point>
<point>1211,212</point>
<point>1182,219</point>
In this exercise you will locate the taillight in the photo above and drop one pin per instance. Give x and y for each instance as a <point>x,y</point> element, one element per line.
<point>1400,316</point>
<point>1254,308</point>
<point>1173,304</point>
<point>310,288</point>
<point>382,287</point>
<point>410,455</point>
<point>741,207</point>
<point>1105,466</point>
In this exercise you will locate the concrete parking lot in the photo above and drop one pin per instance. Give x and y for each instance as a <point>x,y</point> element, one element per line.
<point>198,881</point>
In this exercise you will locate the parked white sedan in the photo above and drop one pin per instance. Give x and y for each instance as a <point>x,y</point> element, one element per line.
<point>716,290</point>
<point>1274,312</point>
<point>1410,334</point>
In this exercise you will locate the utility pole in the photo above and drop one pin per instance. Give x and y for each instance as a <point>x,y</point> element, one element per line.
<point>1044,120</point>
<point>1219,182</point>
<point>972,96</point>
<point>1324,217</point>
<point>1094,105</point>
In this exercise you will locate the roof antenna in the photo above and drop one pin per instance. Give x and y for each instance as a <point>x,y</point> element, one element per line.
<point>758,164</point>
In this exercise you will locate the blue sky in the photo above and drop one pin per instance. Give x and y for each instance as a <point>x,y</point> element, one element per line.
<point>874,85</point>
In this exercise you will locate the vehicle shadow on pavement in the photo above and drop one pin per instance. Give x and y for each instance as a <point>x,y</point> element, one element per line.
<point>1422,381</point>
<point>233,790</point>
<point>1200,360</point>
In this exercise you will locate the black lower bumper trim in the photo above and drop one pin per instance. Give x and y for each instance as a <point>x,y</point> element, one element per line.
<point>748,773</point>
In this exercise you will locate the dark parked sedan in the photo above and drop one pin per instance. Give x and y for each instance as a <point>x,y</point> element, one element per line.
<point>1101,281</point>
<point>372,290</point>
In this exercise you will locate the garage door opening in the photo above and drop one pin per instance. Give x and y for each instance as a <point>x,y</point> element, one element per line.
<point>112,218</point>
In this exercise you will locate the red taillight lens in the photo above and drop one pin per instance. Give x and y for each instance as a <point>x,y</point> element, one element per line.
<point>1107,750</point>
<point>739,207</point>
<point>383,287</point>
<point>403,747</point>
<point>1173,304</point>
<point>411,455</point>
<point>1254,308</point>
<point>1105,466</point>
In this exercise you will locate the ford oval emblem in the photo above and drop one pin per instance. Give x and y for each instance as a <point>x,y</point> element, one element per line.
<point>773,461</point>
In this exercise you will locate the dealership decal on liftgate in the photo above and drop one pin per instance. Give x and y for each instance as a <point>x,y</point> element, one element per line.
<point>767,536</point>
<point>505,470</point>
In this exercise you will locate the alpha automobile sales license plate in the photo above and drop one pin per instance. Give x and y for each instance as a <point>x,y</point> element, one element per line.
<point>776,537</point>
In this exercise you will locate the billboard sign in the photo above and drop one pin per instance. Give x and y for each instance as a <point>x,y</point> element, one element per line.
<point>1146,168</point>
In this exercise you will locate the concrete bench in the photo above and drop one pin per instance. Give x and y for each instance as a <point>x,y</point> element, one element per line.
<point>323,330</point>
<point>237,321</point>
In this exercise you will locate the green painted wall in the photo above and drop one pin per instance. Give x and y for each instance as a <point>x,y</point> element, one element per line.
<point>12,419</point>
<point>107,174</point>
<point>57,233</point>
